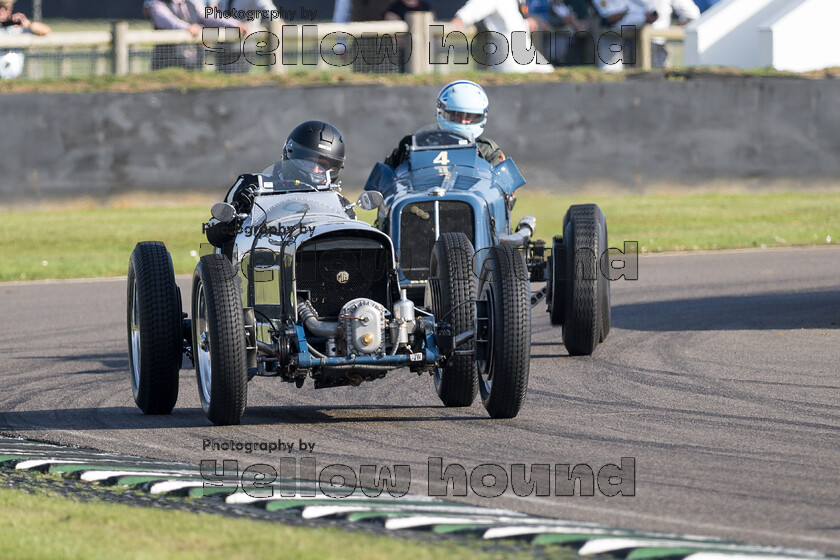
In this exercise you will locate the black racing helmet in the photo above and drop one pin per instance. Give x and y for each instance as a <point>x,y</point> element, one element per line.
<point>319,142</point>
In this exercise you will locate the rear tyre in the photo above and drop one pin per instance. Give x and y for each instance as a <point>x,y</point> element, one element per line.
<point>504,342</point>
<point>582,282</point>
<point>453,289</point>
<point>154,328</point>
<point>604,281</point>
<point>555,296</point>
<point>219,351</point>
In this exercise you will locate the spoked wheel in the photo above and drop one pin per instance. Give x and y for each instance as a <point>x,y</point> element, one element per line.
<point>577,276</point>
<point>503,337</point>
<point>453,289</point>
<point>219,340</point>
<point>202,347</point>
<point>154,328</point>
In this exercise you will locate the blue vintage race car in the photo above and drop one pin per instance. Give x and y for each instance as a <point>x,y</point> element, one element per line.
<point>446,186</point>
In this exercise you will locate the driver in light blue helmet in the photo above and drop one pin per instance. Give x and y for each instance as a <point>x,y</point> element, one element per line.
<point>462,108</point>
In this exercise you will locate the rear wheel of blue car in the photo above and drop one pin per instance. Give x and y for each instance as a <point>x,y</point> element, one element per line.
<point>154,328</point>
<point>503,331</point>
<point>219,340</point>
<point>604,282</point>
<point>555,296</point>
<point>585,290</point>
<point>453,289</point>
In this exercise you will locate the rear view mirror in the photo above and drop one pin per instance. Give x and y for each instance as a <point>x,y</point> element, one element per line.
<point>370,200</point>
<point>223,212</point>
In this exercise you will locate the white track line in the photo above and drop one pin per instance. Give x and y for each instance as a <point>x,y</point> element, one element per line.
<point>521,531</point>
<point>35,463</point>
<point>312,512</point>
<point>725,556</point>
<point>98,475</point>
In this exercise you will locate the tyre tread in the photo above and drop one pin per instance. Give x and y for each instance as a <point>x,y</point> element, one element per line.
<point>453,253</point>
<point>229,386</point>
<point>583,316</point>
<point>512,343</point>
<point>159,315</point>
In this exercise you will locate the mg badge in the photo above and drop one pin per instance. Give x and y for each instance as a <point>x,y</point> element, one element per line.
<point>342,277</point>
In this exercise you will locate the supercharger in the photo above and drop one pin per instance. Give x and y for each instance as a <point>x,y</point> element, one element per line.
<point>361,327</point>
<point>364,328</point>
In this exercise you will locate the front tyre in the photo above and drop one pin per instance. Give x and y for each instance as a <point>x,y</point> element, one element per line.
<point>154,328</point>
<point>503,343</point>
<point>453,290</point>
<point>219,340</point>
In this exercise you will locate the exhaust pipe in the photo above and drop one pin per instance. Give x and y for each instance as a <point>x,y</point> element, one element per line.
<point>526,228</point>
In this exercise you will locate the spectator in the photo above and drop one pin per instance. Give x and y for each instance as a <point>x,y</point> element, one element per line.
<point>188,15</point>
<point>11,23</point>
<point>684,10</point>
<point>615,14</point>
<point>398,10</point>
<point>254,5</point>
<point>705,4</point>
<point>553,15</point>
<point>342,11</point>
<point>205,3</point>
<point>501,16</point>
<point>547,14</point>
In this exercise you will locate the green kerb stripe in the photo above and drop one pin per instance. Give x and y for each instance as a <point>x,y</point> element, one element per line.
<point>652,552</point>
<point>563,538</point>
<point>459,528</point>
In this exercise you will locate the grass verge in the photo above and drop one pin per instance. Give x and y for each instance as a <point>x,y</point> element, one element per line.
<point>94,242</point>
<point>692,222</point>
<point>52,527</point>
<point>183,80</point>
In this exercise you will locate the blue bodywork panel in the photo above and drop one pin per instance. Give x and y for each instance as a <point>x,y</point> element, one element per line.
<point>430,352</point>
<point>445,174</point>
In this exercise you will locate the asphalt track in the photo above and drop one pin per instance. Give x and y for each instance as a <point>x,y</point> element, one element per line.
<point>721,378</point>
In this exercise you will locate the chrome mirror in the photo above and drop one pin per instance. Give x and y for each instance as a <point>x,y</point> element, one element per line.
<point>370,200</point>
<point>223,212</point>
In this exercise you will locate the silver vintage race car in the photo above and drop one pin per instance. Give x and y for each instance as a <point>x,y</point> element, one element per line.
<point>295,287</point>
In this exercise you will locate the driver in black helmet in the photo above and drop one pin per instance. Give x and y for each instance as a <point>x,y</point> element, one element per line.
<point>312,142</point>
<point>318,142</point>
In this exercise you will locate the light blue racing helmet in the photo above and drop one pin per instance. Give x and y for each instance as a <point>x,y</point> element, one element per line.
<point>462,108</point>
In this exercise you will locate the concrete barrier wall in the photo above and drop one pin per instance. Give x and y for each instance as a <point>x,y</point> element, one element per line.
<point>563,136</point>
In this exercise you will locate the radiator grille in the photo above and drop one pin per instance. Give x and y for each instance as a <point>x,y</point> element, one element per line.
<point>417,232</point>
<point>332,273</point>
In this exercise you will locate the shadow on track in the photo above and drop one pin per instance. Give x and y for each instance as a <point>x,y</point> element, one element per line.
<point>130,418</point>
<point>362,413</point>
<point>781,311</point>
<point>113,362</point>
